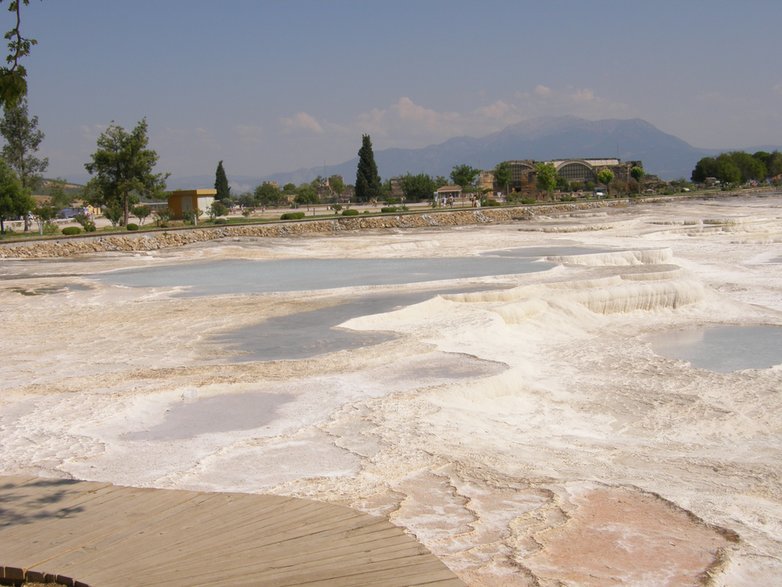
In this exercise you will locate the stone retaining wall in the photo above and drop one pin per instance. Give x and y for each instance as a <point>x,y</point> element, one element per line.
<point>162,239</point>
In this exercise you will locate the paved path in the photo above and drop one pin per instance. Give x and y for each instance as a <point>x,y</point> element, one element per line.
<point>101,535</point>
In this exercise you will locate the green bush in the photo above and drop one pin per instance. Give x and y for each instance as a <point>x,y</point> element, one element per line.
<point>388,209</point>
<point>528,201</point>
<point>71,230</point>
<point>292,216</point>
<point>132,226</point>
<point>350,212</point>
<point>489,203</point>
<point>221,220</point>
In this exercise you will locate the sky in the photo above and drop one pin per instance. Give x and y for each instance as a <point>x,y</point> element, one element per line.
<point>270,86</point>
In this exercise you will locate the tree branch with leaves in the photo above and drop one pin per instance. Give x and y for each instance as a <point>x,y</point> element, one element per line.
<point>13,76</point>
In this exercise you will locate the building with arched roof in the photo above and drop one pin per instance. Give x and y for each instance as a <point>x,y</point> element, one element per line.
<point>574,171</point>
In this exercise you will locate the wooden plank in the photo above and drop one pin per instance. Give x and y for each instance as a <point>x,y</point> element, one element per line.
<point>107,535</point>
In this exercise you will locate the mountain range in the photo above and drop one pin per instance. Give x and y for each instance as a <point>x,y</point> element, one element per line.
<point>563,137</point>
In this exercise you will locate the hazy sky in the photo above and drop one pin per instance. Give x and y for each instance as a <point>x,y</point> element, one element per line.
<point>272,86</point>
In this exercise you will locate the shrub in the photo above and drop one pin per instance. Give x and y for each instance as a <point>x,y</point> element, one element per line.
<point>388,209</point>
<point>86,222</point>
<point>132,226</point>
<point>71,230</point>
<point>350,212</point>
<point>489,203</point>
<point>221,220</point>
<point>292,216</point>
<point>528,201</point>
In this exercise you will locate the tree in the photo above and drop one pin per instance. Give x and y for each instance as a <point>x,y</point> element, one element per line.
<point>306,195</point>
<point>367,179</point>
<point>774,164</point>
<point>727,170</point>
<point>217,209</point>
<point>44,214</point>
<point>59,197</point>
<point>221,184</point>
<point>606,176</point>
<point>750,167</point>
<point>706,167</point>
<point>113,213</point>
<point>502,176</point>
<point>13,77</point>
<point>546,177</point>
<point>22,141</point>
<point>289,188</point>
<point>464,175</point>
<point>141,212</point>
<point>637,173</point>
<point>15,201</point>
<point>247,200</point>
<point>337,184</point>
<point>123,166</point>
<point>268,194</point>
<point>23,138</point>
<point>418,187</point>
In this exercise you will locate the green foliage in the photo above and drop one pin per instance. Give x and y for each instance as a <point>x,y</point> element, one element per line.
<point>123,166</point>
<point>59,197</point>
<point>637,173</point>
<point>161,217</point>
<point>563,184</point>
<point>490,202</point>
<point>71,230</point>
<point>141,212</point>
<point>13,77</point>
<point>131,226</point>
<point>350,212</point>
<point>337,184</point>
<point>221,221</point>
<point>605,176</point>
<point>221,184</point>
<point>44,214</point>
<point>388,209</point>
<point>113,214</point>
<point>293,216</point>
<point>738,167</point>
<point>749,167</point>
<point>772,161</point>
<point>15,201</point>
<point>463,175</point>
<point>418,187</point>
<point>268,194</point>
<point>528,201</point>
<point>289,188</point>
<point>502,175</point>
<point>86,222</point>
<point>22,141</point>
<point>546,175</point>
<point>217,209</point>
<point>306,195</point>
<point>367,178</point>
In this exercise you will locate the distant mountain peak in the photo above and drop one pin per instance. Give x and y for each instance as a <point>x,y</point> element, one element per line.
<point>541,139</point>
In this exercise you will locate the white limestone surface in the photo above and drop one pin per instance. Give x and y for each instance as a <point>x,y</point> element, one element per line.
<point>524,431</point>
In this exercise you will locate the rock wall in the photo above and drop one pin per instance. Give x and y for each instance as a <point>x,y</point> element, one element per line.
<point>164,238</point>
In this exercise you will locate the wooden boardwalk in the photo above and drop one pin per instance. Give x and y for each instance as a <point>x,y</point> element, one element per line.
<point>102,535</point>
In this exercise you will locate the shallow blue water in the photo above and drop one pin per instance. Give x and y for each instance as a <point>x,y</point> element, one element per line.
<point>237,276</point>
<point>723,348</point>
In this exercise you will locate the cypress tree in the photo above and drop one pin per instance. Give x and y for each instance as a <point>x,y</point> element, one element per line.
<point>367,179</point>
<point>221,184</point>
